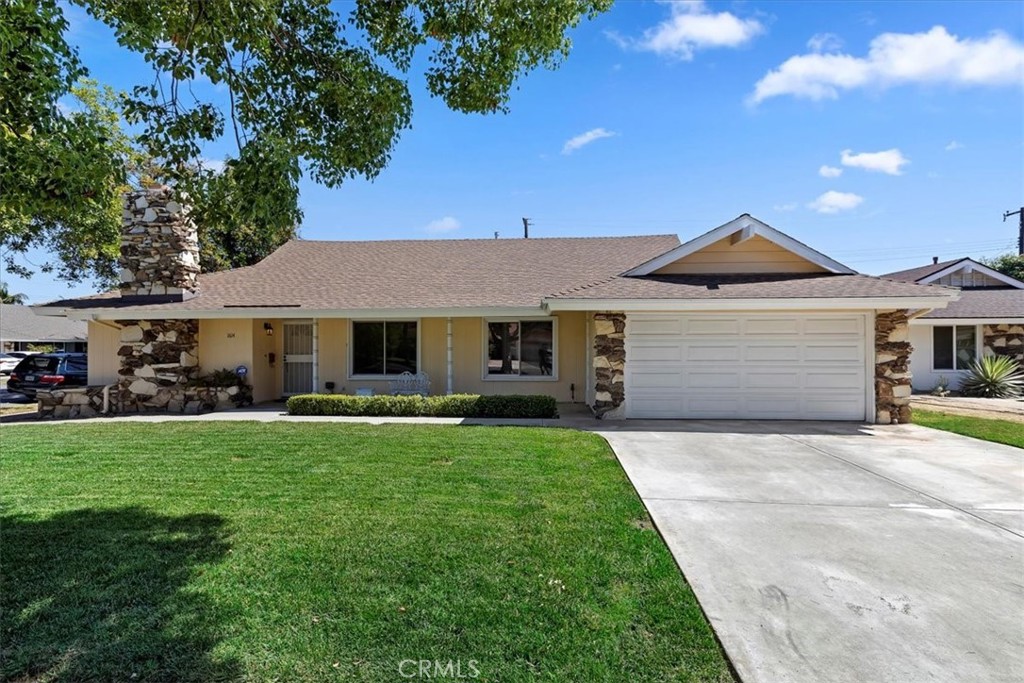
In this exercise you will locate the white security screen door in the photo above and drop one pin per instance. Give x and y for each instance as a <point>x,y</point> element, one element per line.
<point>298,358</point>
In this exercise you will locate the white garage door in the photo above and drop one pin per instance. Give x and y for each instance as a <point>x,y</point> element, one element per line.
<point>746,366</point>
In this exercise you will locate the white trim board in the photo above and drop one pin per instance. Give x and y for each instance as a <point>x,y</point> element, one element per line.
<point>130,313</point>
<point>931,322</point>
<point>743,228</point>
<point>823,304</point>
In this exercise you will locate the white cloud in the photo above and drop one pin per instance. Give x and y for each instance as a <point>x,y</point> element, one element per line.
<point>443,225</point>
<point>890,161</point>
<point>834,202</point>
<point>830,172</point>
<point>584,139</point>
<point>934,57</point>
<point>691,27</point>
<point>215,165</point>
<point>824,42</point>
<point>785,207</point>
<point>954,145</point>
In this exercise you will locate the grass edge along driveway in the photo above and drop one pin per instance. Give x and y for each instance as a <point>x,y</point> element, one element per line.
<point>313,552</point>
<point>987,429</point>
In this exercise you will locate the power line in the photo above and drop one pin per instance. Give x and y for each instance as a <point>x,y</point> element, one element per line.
<point>1020,236</point>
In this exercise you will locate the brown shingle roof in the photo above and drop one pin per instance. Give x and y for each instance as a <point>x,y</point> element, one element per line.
<point>20,323</point>
<point>995,303</point>
<point>921,272</point>
<point>411,274</point>
<point>755,286</point>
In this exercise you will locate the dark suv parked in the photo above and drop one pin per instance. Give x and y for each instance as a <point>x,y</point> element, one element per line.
<point>49,371</point>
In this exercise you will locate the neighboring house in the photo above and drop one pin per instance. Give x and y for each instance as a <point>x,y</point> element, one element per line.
<point>22,330</point>
<point>741,322</point>
<point>988,319</point>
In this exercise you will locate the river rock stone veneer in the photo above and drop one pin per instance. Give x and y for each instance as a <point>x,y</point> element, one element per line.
<point>159,245</point>
<point>609,364</point>
<point>1005,339</point>
<point>892,367</point>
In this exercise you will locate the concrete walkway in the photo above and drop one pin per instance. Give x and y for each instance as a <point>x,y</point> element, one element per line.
<point>838,552</point>
<point>994,408</point>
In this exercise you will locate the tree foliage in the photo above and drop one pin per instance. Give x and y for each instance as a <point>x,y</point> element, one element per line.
<point>309,90</point>
<point>1007,264</point>
<point>9,297</point>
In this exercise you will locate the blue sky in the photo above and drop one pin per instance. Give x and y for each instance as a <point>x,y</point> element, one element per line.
<point>880,133</point>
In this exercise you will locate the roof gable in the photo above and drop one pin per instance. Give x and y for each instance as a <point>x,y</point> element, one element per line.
<point>970,266</point>
<point>743,245</point>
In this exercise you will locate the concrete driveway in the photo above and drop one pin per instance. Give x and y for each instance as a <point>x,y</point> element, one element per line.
<point>839,552</point>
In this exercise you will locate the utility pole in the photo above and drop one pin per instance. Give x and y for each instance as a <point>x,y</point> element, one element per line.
<point>1020,234</point>
<point>526,228</point>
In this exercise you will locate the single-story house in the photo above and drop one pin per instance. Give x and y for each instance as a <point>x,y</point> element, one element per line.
<point>740,322</point>
<point>988,319</point>
<point>22,330</point>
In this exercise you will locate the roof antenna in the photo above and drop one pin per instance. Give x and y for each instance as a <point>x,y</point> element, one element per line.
<point>526,228</point>
<point>495,234</point>
<point>935,260</point>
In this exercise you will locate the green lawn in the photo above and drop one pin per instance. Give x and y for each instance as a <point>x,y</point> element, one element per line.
<point>1000,431</point>
<point>319,552</point>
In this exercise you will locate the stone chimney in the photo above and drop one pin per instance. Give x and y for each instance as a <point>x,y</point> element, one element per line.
<point>159,245</point>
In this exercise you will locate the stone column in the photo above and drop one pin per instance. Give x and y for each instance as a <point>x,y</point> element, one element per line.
<point>159,245</point>
<point>158,360</point>
<point>892,367</point>
<point>609,365</point>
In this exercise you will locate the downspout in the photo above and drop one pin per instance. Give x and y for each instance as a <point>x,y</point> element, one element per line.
<point>451,362</point>
<point>106,399</point>
<point>316,355</point>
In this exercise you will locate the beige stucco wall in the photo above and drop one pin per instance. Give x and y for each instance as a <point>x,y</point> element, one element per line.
<point>225,344</point>
<point>264,376</point>
<point>104,340</point>
<point>228,343</point>
<point>755,255</point>
<point>467,341</point>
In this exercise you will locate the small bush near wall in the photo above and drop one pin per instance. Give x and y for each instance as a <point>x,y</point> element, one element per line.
<point>456,405</point>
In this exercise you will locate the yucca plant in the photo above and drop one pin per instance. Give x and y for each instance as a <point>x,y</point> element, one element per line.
<point>993,377</point>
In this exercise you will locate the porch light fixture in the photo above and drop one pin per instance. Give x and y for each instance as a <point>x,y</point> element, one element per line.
<point>269,329</point>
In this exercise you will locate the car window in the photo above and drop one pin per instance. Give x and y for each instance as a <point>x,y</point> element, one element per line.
<point>37,364</point>
<point>77,365</point>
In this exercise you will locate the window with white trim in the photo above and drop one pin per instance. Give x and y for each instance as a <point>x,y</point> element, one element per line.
<point>954,346</point>
<point>384,347</point>
<point>521,348</point>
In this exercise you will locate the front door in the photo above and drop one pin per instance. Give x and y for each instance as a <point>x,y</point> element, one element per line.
<point>298,358</point>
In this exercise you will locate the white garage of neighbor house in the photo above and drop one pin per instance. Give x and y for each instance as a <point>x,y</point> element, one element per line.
<point>741,322</point>
<point>987,320</point>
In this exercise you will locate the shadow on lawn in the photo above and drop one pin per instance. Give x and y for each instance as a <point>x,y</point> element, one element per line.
<point>102,595</point>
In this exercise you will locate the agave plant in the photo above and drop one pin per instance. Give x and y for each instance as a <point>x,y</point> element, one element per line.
<point>993,377</point>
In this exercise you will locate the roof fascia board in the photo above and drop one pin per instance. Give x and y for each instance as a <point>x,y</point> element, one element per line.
<point>968,266</point>
<point>291,312</point>
<point>1002,320</point>
<point>835,303</point>
<point>746,225</point>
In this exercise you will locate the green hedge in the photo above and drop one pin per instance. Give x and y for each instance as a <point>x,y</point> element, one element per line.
<point>456,405</point>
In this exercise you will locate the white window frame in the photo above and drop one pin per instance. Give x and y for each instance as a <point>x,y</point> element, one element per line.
<point>485,351</point>
<point>977,347</point>
<point>351,345</point>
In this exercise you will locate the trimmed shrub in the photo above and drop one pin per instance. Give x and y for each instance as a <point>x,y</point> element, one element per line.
<point>456,405</point>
